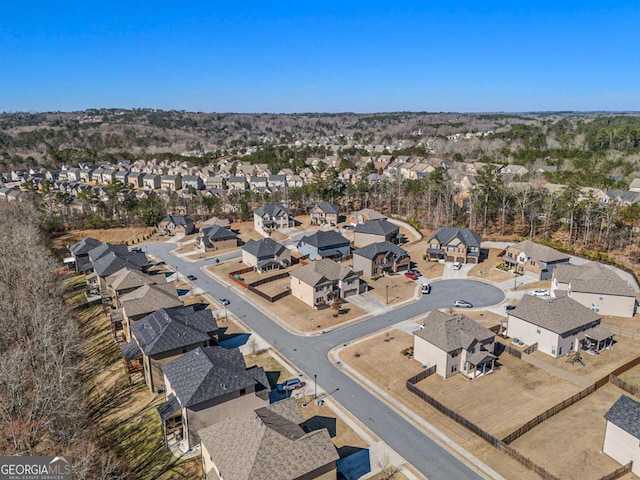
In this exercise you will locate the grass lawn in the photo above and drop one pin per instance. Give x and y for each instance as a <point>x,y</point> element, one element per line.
<point>124,414</point>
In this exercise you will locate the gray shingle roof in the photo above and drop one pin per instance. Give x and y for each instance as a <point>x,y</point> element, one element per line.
<point>84,246</point>
<point>104,248</point>
<point>387,248</point>
<point>110,263</point>
<point>625,413</point>
<point>323,239</point>
<point>559,315</point>
<point>377,227</point>
<point>263,248</point>
<point>321,271</point>
<point>593,278</point>
<point>327,207</point>
<point>273,211</point>
<point>540,253</point>
<point>268,443</point>
<point>210,372</point>
<point>446,234</point>
<point>168,408</point>
<point>216,232</point>
<point>177,220</point>
<point>450,333</point>
<point>171,328</point>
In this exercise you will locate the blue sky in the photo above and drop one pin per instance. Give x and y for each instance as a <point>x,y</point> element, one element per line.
<point>308,56</point>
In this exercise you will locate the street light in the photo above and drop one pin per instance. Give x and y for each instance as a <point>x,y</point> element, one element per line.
<point>387,294</point>
<point>315,386</point>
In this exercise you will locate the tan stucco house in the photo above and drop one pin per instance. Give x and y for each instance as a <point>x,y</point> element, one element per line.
<point>243,448</point>
<point>265,254</point>
<point>454,244</point>
<point>272,217</point>
<point>532,259</point>
<point>558,325</point>
<point>206,386</point>
<point>622,433</point>
<point>324,213</point>
<point>455,344</point>
<point>320,282</point>
<point>380,258</point>
<point>176,224</point>
<point>596,287</point>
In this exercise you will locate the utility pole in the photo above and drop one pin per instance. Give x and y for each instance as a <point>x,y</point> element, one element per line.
<point>315,386</point>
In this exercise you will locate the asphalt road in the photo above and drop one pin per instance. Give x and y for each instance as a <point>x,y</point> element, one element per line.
<point>310,355</point>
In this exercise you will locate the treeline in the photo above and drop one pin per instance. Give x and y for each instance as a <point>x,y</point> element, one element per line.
<point>43,406</point>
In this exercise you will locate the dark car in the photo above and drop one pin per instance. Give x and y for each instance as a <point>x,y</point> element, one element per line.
<point>224,301</point>
<point>462,304</point>
<point>510,307</point>
<point>348,227</point>
<point>192,277</point>
<point>416,272</point>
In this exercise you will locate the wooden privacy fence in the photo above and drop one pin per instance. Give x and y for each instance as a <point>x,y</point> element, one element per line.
<point>272,278</point>
<point>620,472</point>
<point>627,387</point>
<point>268,297</point>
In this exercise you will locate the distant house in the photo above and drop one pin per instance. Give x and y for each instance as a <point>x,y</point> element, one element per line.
<point>171,182</point>
<point>167,334</point>
<point>380,258</point>
<point>86,175</point>
<point>455,344</point>
<point>207,386</point>
<point>272,217</point>
<point>454,244</point>
<point>277,182</point>
<point>634,186</point>
<point>321,282</point>
<point>532,259</point>
<point>216,182</point>
<point>557,325</point>
<point>216,238</point>
<point>596,287</point>
<point>135,179</point>
<point>237,183</point>
<point>376,231</point>
<point>324,244</point>
<point>221,222</point>
<point>108,176</point>
<point>151,180</point>
<point>274,431</point>
<point>176,224</point>
<point>257,183</point>
<point>145,300</point>
<point>265,254</point>
<point>324,213</point>
<point>121,176</point>
<point>365,214</point>
<point>192,181</point>
<point>622,433</point>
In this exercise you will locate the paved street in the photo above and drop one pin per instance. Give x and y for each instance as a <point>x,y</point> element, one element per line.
<point>310,355</point>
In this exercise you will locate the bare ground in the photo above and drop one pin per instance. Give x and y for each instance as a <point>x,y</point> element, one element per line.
<point>111,235</point>
<point>487,270</point>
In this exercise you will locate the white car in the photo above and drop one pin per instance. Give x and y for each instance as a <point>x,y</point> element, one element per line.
<point>457,266</point>
<point>541,292</point>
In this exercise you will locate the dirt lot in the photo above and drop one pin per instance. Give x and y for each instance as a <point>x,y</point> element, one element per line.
<point>597,366</point>
<point>569,444</point>
<point>629,327</point>
<point>632,376</point>
<point>400,288</point>
<point>428,269</point>
<point>485,318</point>
<point>245,231</point>
<point>111,235</point>
<point>487,269</point>
<point>391,376</point>
<point>532,286</point>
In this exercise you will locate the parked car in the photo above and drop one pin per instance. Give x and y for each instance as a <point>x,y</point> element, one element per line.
<point>411,275</point>
<point>291,384</point>
<point>224,301</point>
<point>416,272</point>
<point>510,308</point>
<point>426,289</point>
<point>457,266</point>
<point>540,292</point>
<point>348,227</point>
<point>192,277</point>
<point>462,304</point>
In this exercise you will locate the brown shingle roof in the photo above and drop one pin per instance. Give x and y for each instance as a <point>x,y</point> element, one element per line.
<point>593,278</point>
<point>540,253</point>
<point>150,298</point>
<point>266,444</point>
<point>451,333</point>
<point>560,315</point>
<point>321,271</point>
<point>128,278</point>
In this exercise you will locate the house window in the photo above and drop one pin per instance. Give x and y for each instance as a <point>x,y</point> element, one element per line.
<point>454,369</point>
<point>451,249</point>
<point>538,330</point>
<point>553,350</point>
<point>595,308</point>
<point>243,391</point>
<point>434,245</point>
<point>533,262</point>
<point>601,297</point>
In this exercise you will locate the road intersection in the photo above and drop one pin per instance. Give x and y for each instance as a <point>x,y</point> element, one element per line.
<point>310,355</point>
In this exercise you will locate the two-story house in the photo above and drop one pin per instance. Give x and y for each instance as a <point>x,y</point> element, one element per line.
<point>151,181</point>
<point>324,213</point>
<point>321,282</point>
<point>532,259</point>
<point>206,386</point>
<point>380,258</point>
<point>376,231</point>
<point>454,244</point>
<point>455,344</point>
<point>265,254</point>
<point>176,224</point>
<point>272,217</point>
<point>324,244</point>
<point>216,237</point>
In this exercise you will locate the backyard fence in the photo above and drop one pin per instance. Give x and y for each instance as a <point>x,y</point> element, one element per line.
<point>627,366</point>
<point>268,297</point>
<point>472,427</point>
<point>272,278</point>
<point>620,472</point>
<point>531,348</point>
<point>514,352</point>
<point>233,276</point>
